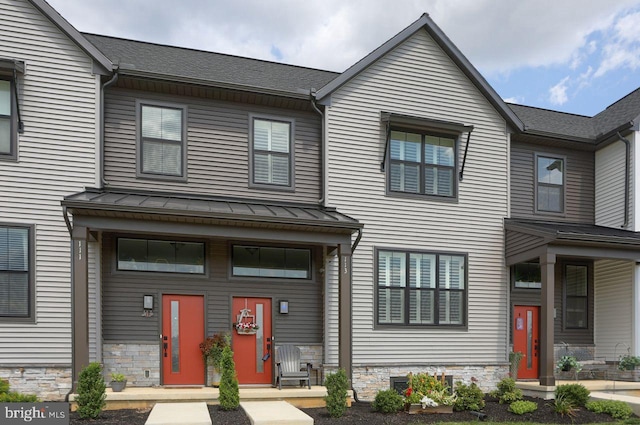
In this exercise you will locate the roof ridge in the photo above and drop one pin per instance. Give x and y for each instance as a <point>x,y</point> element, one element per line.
<point>207,52</point>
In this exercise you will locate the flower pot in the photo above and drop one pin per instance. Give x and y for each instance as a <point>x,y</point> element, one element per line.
<point>117,386</point>
<point>416,408</point>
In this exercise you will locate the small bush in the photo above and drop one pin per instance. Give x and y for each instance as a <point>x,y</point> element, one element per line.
<point>14,397</point>
<point>577,394</point>
<point>521,407</point>
<point>337,385</point>
<point>4,386</point>
<point>507,391</point>
<point>388,401</point>
<point>469,397</point>
<point>229,398</point>
<point>91,391</point>
<point>617,409</point>
<point>563,405</point>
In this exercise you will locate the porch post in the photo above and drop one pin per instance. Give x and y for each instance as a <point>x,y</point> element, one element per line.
<point>344,310</point>
<point>547,271</point>
<point>79,309</point>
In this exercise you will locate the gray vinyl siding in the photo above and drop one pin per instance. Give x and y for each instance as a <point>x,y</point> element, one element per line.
<point>609,185</point>
<point>56,157</point>
<point>579,183</point>
<point>517,242</point>
<point>614,308</point>
<point>217,147</point>
<point>122,298</point>
<point>418,79</point>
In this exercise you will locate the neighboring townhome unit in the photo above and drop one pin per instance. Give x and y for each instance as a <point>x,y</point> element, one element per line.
<point>49,110</point>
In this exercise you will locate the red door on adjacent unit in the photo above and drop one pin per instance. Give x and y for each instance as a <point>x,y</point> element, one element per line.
<point>252,345</point>
<point>182,333</point>
<point>526,340</point>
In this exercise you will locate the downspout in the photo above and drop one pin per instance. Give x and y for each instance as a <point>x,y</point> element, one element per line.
<point>323,151</point>
<point>112,81</point>
<point>627,166</point>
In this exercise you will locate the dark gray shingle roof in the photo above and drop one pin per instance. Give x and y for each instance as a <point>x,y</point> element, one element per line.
<point>175,63</point>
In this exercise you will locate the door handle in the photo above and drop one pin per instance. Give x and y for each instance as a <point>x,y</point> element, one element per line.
<point>165,346</point>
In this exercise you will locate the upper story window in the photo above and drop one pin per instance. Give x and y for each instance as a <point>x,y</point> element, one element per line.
<point>265,261</point>
<point>7,119</point>
<point>576,285</point>
<point>271,153</point>
<point>162,140</point>
<point>550,183</point>
<point>16,279</point>
<point>419,288</point>
<point>422,163</point>
<point>161,256</point>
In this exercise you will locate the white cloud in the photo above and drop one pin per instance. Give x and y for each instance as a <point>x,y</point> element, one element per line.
<point>558,93</point>
<point>515,99</point>
<point>623,49</point>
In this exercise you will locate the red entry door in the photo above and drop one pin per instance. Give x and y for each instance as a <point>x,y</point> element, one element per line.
<point>252,346</point>
<point>182,333</point>
<point>526,340</point>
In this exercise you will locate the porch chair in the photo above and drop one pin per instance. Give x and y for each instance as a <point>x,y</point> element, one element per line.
<point>289,366</point>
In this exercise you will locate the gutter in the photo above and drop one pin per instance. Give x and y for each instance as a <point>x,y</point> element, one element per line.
<point>323,151</point>
<point>102,183</point>
<point>627,166</point>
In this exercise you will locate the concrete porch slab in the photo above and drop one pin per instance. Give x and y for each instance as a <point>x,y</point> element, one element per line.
<point>179,413</point>
<point>275,413</point>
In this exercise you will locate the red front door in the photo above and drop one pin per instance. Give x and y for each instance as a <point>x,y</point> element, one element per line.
<point>252,345</point>
<point>182,333</point>
<point>526,340</point>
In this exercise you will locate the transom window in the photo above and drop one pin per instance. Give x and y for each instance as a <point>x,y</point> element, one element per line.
<point>576,296</point>
<point>162,140</point>
<point>550,184</point>
<point>15,288</point>
<point>527,275</point>
<point>271,151</point>
<point>263,261</point>
<point>417,288</point>
<point>422,163</point>
<point>7,144</point>
<point>161,256</point>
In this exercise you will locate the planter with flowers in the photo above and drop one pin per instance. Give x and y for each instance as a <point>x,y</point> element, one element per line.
<point>629,368</point>
<point>428,394</point>
<point>211,349</point>
<point>568,367</point>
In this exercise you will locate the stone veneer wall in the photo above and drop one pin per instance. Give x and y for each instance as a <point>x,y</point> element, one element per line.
<point>49,383</point>
<point>580,352</point>
<point>132,360</point>
<point>368,380</point>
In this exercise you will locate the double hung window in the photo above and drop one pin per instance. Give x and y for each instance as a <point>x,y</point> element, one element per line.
<point>420,288</point>
<point>271,151</point>
<point>162,140</point>
<point>15,272</point>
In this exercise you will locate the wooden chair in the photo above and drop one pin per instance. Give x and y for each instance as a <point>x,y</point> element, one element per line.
<point>289,366</point>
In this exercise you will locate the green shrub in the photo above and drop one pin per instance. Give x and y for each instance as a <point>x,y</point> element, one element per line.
<point>4,386</point>
<point>388,401</point>
<point>14,397</point>
<point>229,391</point>
<point>617,409</point>
<point>577,394</point>
<point>507,391</point>
<point>468,397</point>
<point>564,405</point>
<point>91,391</point>
<point>521,407</point>
<point>337,385</point>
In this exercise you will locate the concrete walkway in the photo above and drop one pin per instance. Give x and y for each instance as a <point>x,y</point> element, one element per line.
<point>179,413</point>
<point>275,413</point>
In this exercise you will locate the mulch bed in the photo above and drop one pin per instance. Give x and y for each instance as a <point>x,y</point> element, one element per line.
<point>362,413</point>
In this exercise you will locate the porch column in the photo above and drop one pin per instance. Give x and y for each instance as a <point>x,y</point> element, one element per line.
<point>344,310</point>
<point>80,306</point>
<point>547,271</point>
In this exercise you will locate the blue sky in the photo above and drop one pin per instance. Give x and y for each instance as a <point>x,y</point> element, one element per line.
<point>576,56</point>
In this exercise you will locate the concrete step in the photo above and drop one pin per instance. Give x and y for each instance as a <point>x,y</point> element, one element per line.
<point>275,413</point>
<point>179,413</point>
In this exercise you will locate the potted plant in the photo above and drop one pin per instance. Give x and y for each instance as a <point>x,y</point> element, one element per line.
<point>118,382</point>
<point>428,394</point>
<point>628,365</point>
<point>567,363</point>
<point>211,349</point>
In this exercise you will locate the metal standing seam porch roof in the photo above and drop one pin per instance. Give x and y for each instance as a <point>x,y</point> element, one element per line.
<point>110,202</point>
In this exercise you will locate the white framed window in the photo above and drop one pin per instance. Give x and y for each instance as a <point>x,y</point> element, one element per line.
<point>420,288</point>
<point>271,152</point>
<point>162,145</point>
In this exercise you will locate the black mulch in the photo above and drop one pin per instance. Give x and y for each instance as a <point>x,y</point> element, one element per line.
<point>362,413</point>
